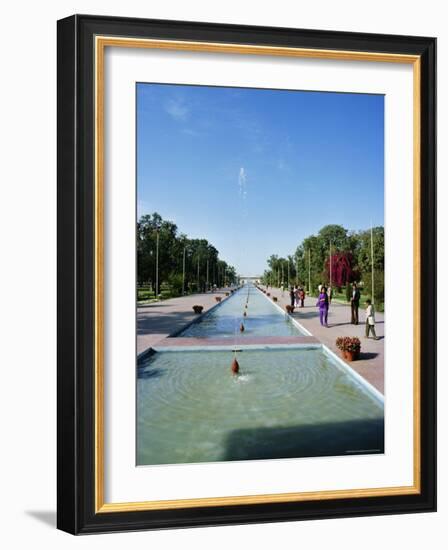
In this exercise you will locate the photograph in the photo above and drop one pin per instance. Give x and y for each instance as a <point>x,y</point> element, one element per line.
<point>260,276</point>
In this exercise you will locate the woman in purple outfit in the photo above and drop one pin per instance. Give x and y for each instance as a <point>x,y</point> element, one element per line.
<point>322,304</point>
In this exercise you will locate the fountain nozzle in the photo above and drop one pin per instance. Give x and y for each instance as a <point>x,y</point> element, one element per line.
<point>235,366</point>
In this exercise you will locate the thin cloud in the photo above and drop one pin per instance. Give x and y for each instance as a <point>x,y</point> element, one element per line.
<point>191,132</point>
<point>177,109</point>
<point>282,165</point>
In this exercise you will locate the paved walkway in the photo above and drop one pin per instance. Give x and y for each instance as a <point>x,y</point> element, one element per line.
<point>158,320</point>
<point>370,365</point>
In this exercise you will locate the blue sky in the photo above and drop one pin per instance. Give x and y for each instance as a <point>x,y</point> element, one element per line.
<point>256,171</point>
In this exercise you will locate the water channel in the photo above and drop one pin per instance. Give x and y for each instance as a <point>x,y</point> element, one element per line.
<point>291,402</point>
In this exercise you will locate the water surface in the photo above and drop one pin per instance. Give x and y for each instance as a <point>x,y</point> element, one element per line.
<point>263,318</point>
<point>284,403</point>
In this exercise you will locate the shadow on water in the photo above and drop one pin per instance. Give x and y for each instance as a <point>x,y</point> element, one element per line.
<point>305,314</point>
<point>332,439</point>
<point>144,374</point>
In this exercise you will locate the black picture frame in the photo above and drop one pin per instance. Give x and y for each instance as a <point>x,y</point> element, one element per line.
<point>76,286</point>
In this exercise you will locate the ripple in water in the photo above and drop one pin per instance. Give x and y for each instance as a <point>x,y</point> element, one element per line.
<point>283,403</point>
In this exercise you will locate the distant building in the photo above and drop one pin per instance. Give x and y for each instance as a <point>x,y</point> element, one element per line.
<point>249,279</point>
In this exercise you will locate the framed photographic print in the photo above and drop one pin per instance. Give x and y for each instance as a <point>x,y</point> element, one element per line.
<point>246,274</point>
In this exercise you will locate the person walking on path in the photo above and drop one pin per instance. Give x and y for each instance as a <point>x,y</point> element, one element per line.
<point>322,304</point>
<point>370,320</point>
<point>354,300</point>
<point>296,296</point>
<point>330,294</point>
<point>292,296</point>
<point>302,297</point>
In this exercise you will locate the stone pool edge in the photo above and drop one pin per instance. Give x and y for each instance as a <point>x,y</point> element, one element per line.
<point>290,317</point>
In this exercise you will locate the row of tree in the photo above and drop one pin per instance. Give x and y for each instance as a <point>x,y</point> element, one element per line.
<point>170,260</point>
<point>334,254</point>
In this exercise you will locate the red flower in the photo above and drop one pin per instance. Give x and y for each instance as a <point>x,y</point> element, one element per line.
<point>347,343</point>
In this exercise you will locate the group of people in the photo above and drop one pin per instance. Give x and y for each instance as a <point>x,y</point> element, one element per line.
<point>324,301</point>
<point>297,295</point>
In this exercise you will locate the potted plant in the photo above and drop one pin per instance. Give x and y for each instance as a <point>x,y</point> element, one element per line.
<point>198,309</point>
<point>274,298</point>
<point>227,293</point>
<point>350,347</point>
<point>289,309</point>
<point>218,298</point>
<point>268,293</point>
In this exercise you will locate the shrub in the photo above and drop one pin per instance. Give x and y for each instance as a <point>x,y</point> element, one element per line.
<point>175,284</point>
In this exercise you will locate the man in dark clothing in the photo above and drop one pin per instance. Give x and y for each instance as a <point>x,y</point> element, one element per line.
<point>356,295</point>
<point>292,296</point>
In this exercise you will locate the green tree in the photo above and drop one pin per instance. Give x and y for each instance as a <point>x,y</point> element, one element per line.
<point>309,264</point>
<point>200,258</point>
<point>336,235</point>
<point>365,262</point>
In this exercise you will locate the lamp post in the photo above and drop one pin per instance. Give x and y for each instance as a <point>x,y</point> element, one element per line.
<point>157,260</point>
<point>373,270</point>
<point>183,270</point>
<point>309,270</point>
<point>198,274</point>
<point>330,266</point>
<point>206,284</point>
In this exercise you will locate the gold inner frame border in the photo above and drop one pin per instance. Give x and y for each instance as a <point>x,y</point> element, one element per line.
<point>101,42</point>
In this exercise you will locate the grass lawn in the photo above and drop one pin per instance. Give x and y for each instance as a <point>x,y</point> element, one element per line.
<point>148,296</point>
<point>341,297</point>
